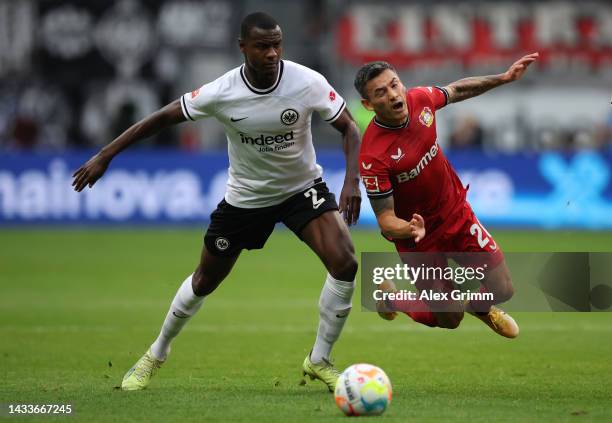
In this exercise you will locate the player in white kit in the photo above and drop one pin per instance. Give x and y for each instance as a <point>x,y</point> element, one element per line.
<point>266,107</point>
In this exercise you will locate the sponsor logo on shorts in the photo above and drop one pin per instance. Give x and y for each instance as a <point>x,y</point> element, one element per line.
<point>289,116</point>
<point>222,243</point>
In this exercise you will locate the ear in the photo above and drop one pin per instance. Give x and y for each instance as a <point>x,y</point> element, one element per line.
<point>241,44</point>
<point>366,103</point>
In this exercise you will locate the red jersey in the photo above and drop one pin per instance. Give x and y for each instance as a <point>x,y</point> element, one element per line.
<point>408,163</point>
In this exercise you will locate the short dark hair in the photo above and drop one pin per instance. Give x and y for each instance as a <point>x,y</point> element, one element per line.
<point>256,20</point>
<point>370,71</point>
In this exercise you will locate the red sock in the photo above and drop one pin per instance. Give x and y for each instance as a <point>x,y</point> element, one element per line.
<point>417,310</point>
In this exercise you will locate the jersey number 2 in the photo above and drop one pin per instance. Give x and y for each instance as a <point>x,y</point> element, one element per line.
<point>316,202</point>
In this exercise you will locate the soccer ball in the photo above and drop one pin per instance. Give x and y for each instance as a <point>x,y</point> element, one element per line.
<point>363,390</point>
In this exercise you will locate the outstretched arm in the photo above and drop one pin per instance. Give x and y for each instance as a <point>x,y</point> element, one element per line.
<point>350,197</point>
<point>95,167</point>
<point>476,85</point>
<point>392,226</point>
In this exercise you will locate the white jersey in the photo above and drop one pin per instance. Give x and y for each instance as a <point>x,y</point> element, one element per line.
<point>270,148</point>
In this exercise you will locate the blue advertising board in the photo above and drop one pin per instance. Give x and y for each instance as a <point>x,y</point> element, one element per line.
<point>546,190</point>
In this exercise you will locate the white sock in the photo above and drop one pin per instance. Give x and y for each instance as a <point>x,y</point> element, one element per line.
<point>184,305</point>
<point>334,306</point>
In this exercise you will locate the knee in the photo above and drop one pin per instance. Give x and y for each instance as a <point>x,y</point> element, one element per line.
<point>450,320</point>
<point>344,267</point>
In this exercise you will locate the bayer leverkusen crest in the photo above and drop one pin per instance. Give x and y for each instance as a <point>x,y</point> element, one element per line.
<point>426,117</point>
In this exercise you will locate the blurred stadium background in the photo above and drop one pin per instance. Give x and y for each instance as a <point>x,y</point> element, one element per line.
<point>74,74</point>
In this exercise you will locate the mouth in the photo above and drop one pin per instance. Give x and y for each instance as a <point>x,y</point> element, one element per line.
<point>398,106</point>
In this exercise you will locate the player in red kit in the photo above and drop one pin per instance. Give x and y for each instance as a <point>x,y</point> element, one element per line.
<point>409,181</point>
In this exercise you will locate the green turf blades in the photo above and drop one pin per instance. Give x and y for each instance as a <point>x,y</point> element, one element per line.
<point>71,302</point>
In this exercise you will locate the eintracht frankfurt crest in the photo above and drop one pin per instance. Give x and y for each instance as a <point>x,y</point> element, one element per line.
<point>289,116</point>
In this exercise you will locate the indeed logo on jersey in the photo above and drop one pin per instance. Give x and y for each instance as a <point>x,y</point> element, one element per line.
<point>425,160</point>
<point>280,141</point>
<point>266,139</point>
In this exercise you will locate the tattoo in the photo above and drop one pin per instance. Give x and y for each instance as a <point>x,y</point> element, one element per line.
<point>471,87</point>
<point>380,205</point>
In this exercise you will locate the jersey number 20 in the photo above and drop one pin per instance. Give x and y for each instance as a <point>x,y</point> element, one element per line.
<point>316,202</point>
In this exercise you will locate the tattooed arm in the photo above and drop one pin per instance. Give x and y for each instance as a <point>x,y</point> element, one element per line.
<point>476,85</point>
<point>392,226</point>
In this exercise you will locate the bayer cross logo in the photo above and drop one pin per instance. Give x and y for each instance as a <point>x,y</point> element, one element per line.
<point>222,244</point>
<point>289,116</point>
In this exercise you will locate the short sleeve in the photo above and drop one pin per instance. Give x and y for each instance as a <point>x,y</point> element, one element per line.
<point>326,100</point>
<point>375,177</point>
<point>437,95</point>
<point>200,103</point>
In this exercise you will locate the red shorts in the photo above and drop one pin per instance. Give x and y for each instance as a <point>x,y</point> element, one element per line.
<point>465,240</point>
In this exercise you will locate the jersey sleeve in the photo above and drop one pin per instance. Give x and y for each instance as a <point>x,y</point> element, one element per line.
<point>437,95</point>
<point>200,103</point>
<point>375,177</point>
<point>325,100</point>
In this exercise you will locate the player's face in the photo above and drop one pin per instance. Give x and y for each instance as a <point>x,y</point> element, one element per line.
<point>262,50</point>
<point>387,98</point>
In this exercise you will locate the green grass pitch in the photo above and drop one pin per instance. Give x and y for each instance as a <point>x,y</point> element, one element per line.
<point>79,307</point>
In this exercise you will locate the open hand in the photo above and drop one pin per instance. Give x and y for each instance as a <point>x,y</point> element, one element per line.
<point>417,227</point>
<point>519,67</point>
<point>90,172</point>
<point>350,202</point>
